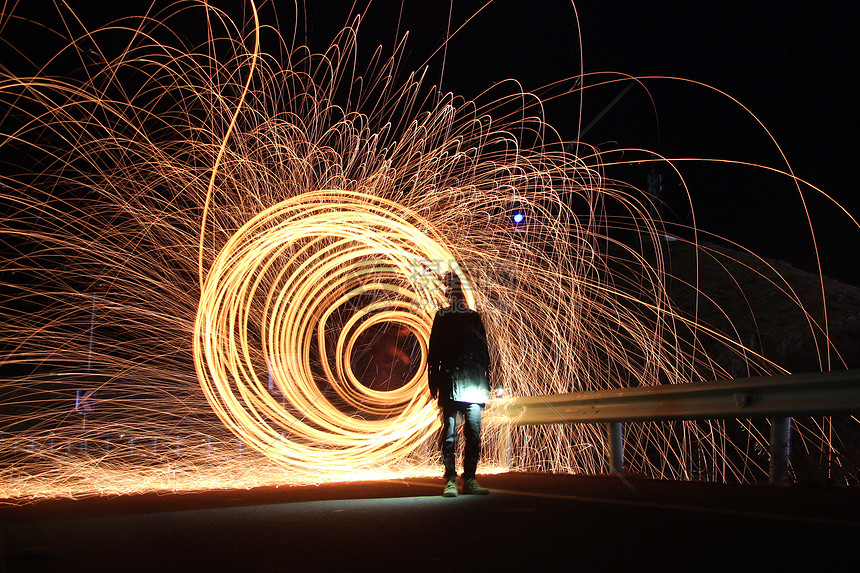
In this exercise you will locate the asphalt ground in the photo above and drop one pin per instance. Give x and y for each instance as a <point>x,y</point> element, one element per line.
<point>528,522</point>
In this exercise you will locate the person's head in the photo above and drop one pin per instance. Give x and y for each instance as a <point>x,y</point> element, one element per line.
<point>453,286</point>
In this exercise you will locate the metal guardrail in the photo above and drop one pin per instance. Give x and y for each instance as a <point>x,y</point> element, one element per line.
<point>778,397</point>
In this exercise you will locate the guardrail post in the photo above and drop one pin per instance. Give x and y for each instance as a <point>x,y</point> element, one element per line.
<point>616,446</point>
<point>504,447</point>
<point>780,450</point>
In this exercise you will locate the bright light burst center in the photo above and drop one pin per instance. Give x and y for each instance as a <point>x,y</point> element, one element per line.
<point>279,316</point>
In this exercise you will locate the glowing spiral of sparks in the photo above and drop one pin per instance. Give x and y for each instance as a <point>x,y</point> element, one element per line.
<point>297,263</point>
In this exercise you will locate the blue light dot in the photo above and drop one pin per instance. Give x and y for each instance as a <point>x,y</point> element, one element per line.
<point>519,218</point>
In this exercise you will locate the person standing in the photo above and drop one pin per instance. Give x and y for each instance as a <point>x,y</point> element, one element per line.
<point>458,364</point>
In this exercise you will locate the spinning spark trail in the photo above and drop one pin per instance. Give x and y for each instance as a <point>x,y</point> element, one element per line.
<point>322,250</point>
<point>208,244</point>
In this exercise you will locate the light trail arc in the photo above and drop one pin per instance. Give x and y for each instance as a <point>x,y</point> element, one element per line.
<point>297,264</point>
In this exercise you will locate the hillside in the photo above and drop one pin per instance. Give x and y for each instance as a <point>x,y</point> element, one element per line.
<point>770,306</point>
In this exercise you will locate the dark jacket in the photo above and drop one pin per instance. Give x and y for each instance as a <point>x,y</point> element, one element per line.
<point>458,361</point>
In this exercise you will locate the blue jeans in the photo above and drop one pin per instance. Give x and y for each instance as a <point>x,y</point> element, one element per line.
<point>471,416</point>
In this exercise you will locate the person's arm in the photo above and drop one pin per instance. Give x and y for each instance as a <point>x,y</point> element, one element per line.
<point>485,344</point>
<point>433,360</point>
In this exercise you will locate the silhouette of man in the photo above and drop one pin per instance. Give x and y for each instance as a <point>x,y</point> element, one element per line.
<point>458,376</point>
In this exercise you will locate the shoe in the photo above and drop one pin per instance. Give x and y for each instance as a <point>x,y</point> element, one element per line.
<point>472,487</point>
<point>450,488</point>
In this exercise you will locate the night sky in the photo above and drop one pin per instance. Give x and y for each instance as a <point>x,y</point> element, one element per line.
<point>793,66</point>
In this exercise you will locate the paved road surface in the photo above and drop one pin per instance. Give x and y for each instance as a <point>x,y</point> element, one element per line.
<point>528,522</point>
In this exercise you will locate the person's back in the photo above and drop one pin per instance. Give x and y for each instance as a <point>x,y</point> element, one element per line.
<point>458,356</point>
